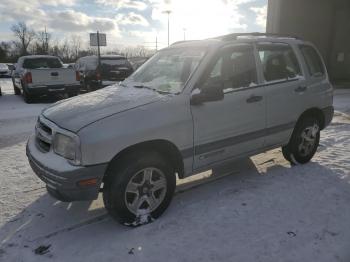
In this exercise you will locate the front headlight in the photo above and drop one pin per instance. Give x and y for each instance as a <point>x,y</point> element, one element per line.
<point>68,147</point>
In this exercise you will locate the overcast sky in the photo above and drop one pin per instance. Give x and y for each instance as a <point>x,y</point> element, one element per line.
<point>129,22</point>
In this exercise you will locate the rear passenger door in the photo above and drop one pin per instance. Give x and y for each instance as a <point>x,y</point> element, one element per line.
<point>285,88</point>
<point>235,125</point>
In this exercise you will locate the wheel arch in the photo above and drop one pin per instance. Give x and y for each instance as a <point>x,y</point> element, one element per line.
<point>314,112</point>
<point>164,147</point>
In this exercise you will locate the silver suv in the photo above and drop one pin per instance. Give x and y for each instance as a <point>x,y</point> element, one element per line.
<point>191,107</point>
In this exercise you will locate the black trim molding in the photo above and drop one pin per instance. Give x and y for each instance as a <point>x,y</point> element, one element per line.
<point>231,141</point>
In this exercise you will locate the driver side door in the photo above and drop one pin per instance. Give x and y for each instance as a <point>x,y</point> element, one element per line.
<point>235,125</point>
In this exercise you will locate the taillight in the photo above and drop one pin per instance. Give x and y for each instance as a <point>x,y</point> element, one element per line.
<point>77,76</point>
<point>98,76</point>
<point>28,78</point>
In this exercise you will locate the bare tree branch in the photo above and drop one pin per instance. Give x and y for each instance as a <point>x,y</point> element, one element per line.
<point>24,34</point>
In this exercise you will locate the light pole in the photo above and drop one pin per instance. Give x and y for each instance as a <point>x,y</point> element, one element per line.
<point>168,12</point>
<point>184,29</point>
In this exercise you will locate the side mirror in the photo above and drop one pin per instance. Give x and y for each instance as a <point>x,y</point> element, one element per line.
<point>211,93</point>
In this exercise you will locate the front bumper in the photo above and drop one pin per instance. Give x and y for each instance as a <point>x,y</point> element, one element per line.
<point>61,178</point>
<point>328,113</point>
<point>5,73</point>
<point>52,89</point>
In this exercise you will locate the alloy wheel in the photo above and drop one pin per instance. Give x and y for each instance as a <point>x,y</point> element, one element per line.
<point>145,191</point>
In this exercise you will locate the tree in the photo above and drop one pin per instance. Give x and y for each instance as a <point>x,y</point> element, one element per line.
<point>75,44</point>
<point>5,51</point>
<point>43,40</point>
<point>25,36</point>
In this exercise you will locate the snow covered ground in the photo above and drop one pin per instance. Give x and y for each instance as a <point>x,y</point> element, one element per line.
<point>259,209</point>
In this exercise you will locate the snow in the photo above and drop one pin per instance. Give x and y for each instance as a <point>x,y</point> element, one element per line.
<point>257,209</point>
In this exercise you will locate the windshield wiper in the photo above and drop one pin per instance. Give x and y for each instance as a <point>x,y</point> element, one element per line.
<point>151,88</point>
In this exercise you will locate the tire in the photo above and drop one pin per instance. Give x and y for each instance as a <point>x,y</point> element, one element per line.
<point>27,97</point>
<point>72,94</point>
<point>16,89</point>
<point>304,141</point>
<point>127,182</point>
<point>286,153</point>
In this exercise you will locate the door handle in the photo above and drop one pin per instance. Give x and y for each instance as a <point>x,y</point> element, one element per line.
<point>254,99</point>
<point>300,89</point>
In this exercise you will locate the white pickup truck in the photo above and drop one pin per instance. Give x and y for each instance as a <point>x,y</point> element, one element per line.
<point>39,75</point>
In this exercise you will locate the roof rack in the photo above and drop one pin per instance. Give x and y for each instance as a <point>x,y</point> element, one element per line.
<point>236,35</point>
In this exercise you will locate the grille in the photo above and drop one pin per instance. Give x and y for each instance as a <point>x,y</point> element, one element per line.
<point>43,136</point>
<point>45,128</point>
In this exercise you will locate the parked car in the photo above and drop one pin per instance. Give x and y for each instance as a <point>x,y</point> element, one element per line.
<point>136,62</point>
<point>191,107</point>
<point>71,65</point>
<point>4,70</point>
<point>39,75</point>
<point>113,68</point>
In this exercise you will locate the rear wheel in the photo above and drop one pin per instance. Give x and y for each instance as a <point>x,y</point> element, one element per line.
<point>304,141</point>
<point>16,89</point>
<point>71,94</point>
<point>139,188</point>
<point>26,96</point>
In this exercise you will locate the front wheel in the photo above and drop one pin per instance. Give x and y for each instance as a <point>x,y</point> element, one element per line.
<point>139,188</point>
<point>304,142</point>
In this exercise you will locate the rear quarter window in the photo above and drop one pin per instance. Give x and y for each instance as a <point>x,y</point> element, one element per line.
<point>279,62</point>
<point>313,60</point>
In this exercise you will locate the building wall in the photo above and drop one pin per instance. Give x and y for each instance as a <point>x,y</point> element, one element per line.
<point>326,23</point>
<point>339,62</point>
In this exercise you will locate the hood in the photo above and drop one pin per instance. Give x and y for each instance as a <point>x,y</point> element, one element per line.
<point>77,112</point>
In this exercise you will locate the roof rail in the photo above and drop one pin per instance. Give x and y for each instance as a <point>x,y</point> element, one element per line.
<point>236,35</point>
<point>183,41</point>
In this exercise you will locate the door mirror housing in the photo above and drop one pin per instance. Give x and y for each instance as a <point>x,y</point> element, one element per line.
<point>209,93</point>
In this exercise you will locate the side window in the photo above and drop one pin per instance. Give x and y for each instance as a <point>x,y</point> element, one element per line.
<point>279,62</point>
<point>313,60</point>
<point>234,68</point>
<point>216,72</point>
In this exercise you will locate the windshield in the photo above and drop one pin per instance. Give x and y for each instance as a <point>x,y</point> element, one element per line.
<point>36,63</point>
<point>3,66</point>
<point>168,70</point>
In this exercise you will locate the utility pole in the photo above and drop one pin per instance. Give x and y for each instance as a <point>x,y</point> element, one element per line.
<point>156,43</point>
<point>46,42</point>
<point>98,49</point>
<point>184,29</point>
<point>168,12</point>
<point>99,56</point>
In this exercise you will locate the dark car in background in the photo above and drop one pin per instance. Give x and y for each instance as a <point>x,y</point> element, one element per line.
<point>112,69</point>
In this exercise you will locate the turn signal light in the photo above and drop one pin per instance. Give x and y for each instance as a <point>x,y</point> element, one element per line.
<point>88,182</point>
<point>98,76</point>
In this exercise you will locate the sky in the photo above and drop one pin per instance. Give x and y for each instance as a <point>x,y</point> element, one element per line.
<point>134,22</point>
